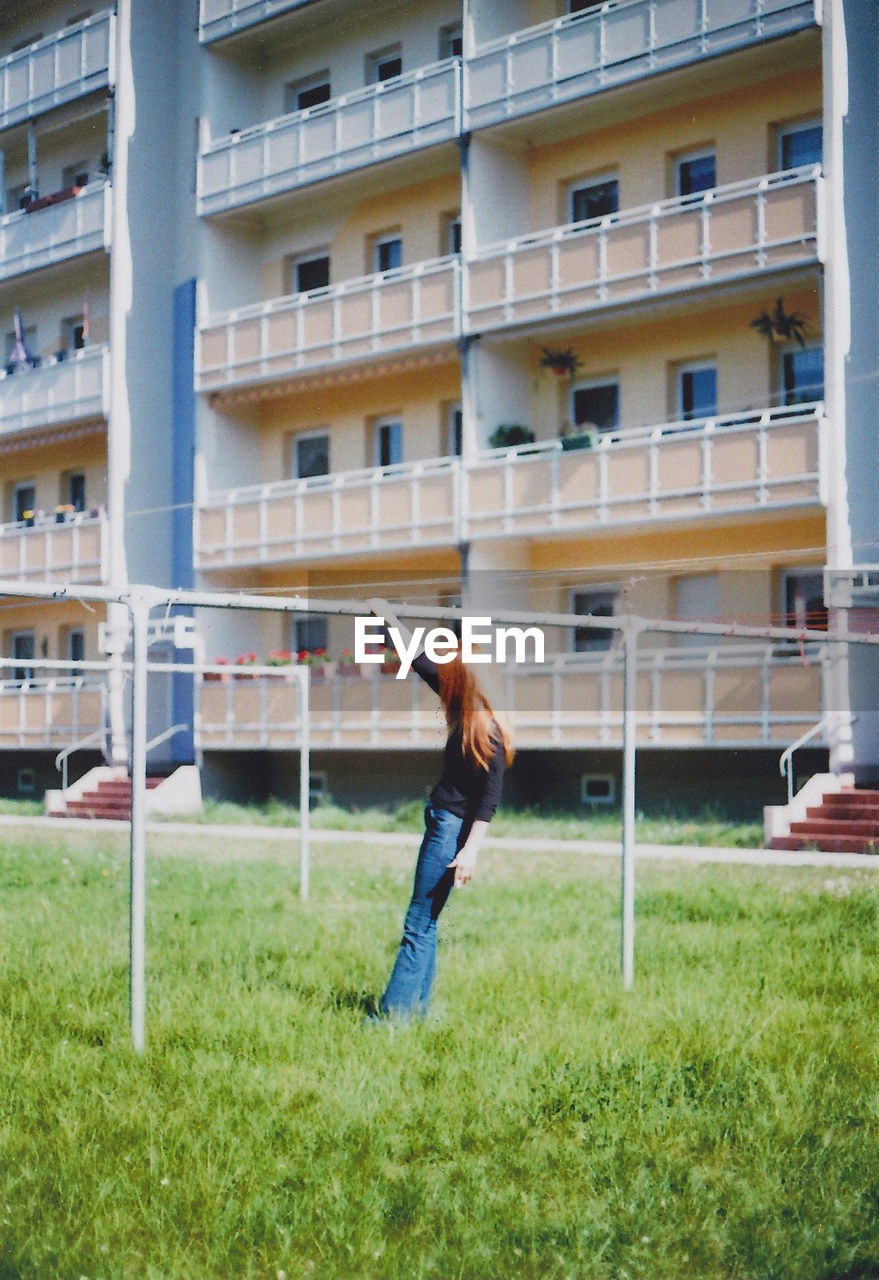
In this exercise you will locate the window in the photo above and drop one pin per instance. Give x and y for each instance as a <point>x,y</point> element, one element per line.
<point>311,455</point>
<point>451,41</point>
<point>593,199</point>
<point>302,94</point>
<point>23,651</point>
<point>75,646</point>
<point>696,391</point>
<point>311,273</point>
<point>387,253</point>
<point>695,173</point>
<point>450,242</point>
<point>26,782</point>
<point>600,604</point>
<point>388,442</point>
<point>697,597</point>
<point>596,404</point>
<point>800,144</point>
<point>76,490</point>
<point>597,788</point>
<point>803,600</point>
<point>802,375</point>
<point>17,197</point>
<point>73,333</point>
<point>384,65</point>
<point>24,501</point>
<point>310,633</point>
<point>454,431</point>
<point>75,175</point>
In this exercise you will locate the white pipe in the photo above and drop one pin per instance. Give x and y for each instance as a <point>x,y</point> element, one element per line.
<point>304,783</point>
<point>139,610</point>
<point>630,694</point>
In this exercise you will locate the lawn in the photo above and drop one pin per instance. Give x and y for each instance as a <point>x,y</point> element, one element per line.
<point>719,1120</point>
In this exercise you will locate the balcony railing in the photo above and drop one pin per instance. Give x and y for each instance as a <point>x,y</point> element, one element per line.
<point>400,115</point>
<point>373,316</point>
<point>57,69</point>
<point>623,41</point>
<point>49,713</point>
<point>70,547</point>
<point>69,390</point>
<point>769,459</point>
<point>723,696</point>
<point>408,505</point>
<point>53,234</point>
<point>730,232</point>
<point>219,18</point>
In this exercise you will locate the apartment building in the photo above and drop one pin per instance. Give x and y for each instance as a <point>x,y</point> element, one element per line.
<point>539,304</point>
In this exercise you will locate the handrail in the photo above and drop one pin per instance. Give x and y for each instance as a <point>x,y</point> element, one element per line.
<point>62,756</point>
<point>162,737</point>
<point>785,763</point>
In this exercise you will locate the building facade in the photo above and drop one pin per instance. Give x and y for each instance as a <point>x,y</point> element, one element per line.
<point>546,305</point>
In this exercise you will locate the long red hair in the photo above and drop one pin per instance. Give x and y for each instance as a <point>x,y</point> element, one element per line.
<point>466,704</point>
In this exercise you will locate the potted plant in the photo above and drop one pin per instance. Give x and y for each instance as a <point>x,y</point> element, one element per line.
<point>245,660</point>
<point>564,364</point>
<point>390,661</point>
<point>582,436</point>
<point>347,665</point>
<point>317,659</point>
<point>217,675</point>
<point>510,434</point>
<point>779,326</point>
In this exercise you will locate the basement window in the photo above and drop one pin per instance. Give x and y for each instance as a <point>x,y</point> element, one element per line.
<point>597,788</point>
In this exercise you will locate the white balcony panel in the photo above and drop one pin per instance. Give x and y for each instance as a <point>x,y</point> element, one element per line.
<point>744,229</point>
<point>717,696</point>
<point>218,18</point>
<point>74,549</point>
<point>373,316</point>
<point>79,225</point>
<point>57,69</point>
<point>50,713</point>
<point>677,471</point>
<point>383,120</point>
<point>623,41</point>
<point>410,505</point>
<point>69,391</point>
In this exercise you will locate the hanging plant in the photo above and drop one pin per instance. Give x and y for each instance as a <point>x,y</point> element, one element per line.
<point>778,326</point>
<point>564,364</point>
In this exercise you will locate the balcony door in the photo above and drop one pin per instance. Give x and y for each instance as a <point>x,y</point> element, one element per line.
<point>388,442</point>
<point>697,599</point>
<point>23,652</point>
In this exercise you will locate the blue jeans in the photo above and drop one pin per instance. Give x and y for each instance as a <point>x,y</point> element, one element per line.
<point>408,989</point>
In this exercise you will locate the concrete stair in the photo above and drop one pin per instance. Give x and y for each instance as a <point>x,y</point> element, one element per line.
<point>110,798</point>
<point>845,821</point>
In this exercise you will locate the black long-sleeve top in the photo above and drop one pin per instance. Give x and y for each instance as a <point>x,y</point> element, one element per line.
<point>465,788</point>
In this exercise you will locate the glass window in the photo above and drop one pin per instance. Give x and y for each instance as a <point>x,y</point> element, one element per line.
<point>387,64</point>
<point>802,370</point>
<point>695,173</point>
<point>600,604</point>
<point>800,144</point>
<point>451,240</point>
<point>311,273</point>
<point>75,646</point>
<point>23,651</point>
<point>311,455</point>
<point>388,254</point>
<point>388,442</point>
<point>310,633</point>
<point>697,598</point>
<point>75,175</point>
<point>455,431</point>
<point>696,391</point>
<point>302,94</point>
<point>24,500</point>
<point>594,199</point>
<point>803,600</point>
<point>451,41</point>
<point>73,333</point>
<point>76,490</point>
<point>596,404</point>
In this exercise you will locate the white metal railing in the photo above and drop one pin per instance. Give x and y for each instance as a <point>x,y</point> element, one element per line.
<point>731,231</point>
<point>620,41</point>
<point>406,505</point>
<point>786,760</point>
<point>373,315</point>
<point>762,459</point>
<point>47,547</point>
<point>97,738</point>
<point>222,17</point>
<point>57,69</point>
<point>50,713</point>
<point>381,120</point>
<point>73,226</point>
<point>75,385</point>
<point>748,695</point>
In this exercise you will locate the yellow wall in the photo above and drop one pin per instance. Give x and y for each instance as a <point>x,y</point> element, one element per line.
<point>50,624</point>
<point>46,467</point>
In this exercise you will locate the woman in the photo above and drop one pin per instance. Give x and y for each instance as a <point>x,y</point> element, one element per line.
<point>457,815</point>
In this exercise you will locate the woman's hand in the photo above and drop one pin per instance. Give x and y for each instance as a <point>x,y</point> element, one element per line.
<point>465,863</point>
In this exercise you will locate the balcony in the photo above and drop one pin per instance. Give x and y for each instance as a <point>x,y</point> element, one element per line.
<point>622,42</point>
<point>218,18</point>
<point>80,224</point>
<point>383,120</point>
<point>737,464</point>
<point>377,315</point>
<point>58,69</point>
<point>74,389</point>
<point>50,713</point>
<point>712,697</point>
<point>727,234</point>
<point>69,547</point>
<point>388,509</point>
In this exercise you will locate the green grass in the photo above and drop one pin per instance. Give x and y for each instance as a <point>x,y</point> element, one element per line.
<point>719,1120</point>
<point>702,828</point>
